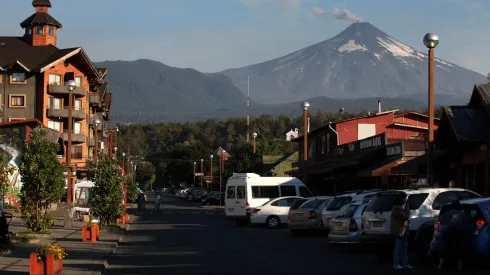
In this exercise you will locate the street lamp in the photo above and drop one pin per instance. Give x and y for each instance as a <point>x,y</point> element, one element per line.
<point>305,106</point>
<point>70,85</point>
<point>431,40</point>
<point>123,164</point>
<point>194,174</point>
<point>202,171</point>
<point>115,152</point>
<point>97,122</point>
<point>254,135</point>
<point>211,170</point>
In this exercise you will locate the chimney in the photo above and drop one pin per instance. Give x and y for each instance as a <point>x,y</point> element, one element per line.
<point>379,106</point>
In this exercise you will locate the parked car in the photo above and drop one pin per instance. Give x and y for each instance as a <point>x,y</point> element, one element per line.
<point>197,194</point>
<point>333,207</point>
<point>273,213</point>
<point>477,231</point>
<point>214,199</point>
<point>246,191</point>
<point>307,216</point>
<point>347,227</point>
<point>424,205</point>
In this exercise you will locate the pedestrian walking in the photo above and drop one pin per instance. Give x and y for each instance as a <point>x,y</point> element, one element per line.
<point>453,240</point>
<point>399,228</point>
<point>158,200</point>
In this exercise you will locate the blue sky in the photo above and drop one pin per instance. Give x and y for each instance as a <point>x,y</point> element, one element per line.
<point>213,35</point>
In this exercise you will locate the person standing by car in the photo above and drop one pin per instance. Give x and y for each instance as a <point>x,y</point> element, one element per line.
<point>158,200</point>
<point>399,228</point>
<point>454,235</point>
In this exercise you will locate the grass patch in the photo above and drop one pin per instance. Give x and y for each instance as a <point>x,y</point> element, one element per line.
<point>32,233</point>
<point>26,238</point>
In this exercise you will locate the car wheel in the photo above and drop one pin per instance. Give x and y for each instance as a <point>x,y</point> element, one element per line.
<point>273,222</point>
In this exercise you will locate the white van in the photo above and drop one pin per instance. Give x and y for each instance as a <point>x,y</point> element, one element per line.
<point>247,191</point>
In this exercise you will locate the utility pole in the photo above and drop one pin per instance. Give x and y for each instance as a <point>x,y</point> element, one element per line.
<point>248,109</point>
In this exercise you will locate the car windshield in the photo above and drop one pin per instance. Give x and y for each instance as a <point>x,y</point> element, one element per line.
<point>337,203</point>
<point>297,203</point>
<point>472,214</point>
<point>384,202</point>
<point>312,204</point>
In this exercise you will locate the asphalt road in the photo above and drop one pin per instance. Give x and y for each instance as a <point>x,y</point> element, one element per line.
<point>186,239</point>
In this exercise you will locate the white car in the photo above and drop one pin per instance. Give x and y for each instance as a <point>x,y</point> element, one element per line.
<point>273,212</point>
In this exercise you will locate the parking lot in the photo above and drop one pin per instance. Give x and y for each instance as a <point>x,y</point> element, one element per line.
<point>187,239</point>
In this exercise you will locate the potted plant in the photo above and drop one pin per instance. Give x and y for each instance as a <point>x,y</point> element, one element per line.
<point>90,231</point>
<point>47,260</point>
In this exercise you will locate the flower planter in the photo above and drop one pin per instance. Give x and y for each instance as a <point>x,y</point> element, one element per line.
<point>51,266</point>
<point>91,233</point>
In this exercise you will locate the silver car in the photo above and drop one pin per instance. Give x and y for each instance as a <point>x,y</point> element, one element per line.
<point>347,227</point>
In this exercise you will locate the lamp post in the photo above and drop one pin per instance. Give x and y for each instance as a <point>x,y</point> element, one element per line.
<point>202,171</point>
<point>71,85</point>
<point>96,146</point>
<point>211,171</point>
<point>123,164</point>
<point>194,182</point>
<point>431,40</point>
<point>115,153</point>
<point>254,135</point>
<point>305,107</point>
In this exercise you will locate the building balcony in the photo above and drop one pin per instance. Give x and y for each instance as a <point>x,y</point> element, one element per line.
<point>94,99</point>
<point>91,143</point>
<point>56,89</point>
<point>62,112</point>
<point>76,137</point>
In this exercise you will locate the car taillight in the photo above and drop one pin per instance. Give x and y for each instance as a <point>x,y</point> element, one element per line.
<point>436,225</point>
<point>353,226</point>
<point>480,224</point>
<point>312,214</point>
<point>248,204</point>
<point>256,210</point>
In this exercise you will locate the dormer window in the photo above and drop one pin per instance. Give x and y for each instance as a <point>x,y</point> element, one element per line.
<point>51,30</point>
<point>40,30</point>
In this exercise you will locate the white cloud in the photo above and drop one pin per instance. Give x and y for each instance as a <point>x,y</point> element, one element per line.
<point>344,14</point>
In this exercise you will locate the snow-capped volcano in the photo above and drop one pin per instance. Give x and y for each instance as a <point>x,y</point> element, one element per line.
<point>361,61</point>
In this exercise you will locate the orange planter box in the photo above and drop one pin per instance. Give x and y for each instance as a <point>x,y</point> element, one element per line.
<point>50,267</point>
<point>90,233</point>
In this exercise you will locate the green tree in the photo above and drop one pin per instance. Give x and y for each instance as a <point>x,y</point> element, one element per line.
<point>107,193</point>
<point>145,174</point>
<point>131,189</point>
<point>43,180</point>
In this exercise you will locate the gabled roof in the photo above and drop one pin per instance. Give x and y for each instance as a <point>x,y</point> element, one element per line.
<point>481,96</point>
<point>40,19</point>
<point>19,50</point>
<point>57,57</point>
<point>102,72</point>
<point>468,123</point>
<point>41,3</point>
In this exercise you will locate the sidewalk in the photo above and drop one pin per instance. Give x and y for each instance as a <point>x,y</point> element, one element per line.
<point>83,258</point>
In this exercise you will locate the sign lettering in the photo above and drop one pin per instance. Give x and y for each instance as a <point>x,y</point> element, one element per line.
<point>352,147</point>
<point>391,151</point>
<point>373,142</point>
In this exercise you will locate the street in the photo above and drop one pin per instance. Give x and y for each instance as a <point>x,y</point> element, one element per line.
<point>186,239</point>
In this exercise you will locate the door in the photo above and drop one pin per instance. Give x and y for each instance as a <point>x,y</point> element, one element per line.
<point>241,201</point>
<point>280,208</point>
<point>230,200</point>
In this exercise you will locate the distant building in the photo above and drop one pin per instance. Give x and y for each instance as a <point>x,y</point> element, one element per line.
<point>292,134</point>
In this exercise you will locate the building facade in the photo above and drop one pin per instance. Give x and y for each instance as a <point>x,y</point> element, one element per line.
<point>32,84</point>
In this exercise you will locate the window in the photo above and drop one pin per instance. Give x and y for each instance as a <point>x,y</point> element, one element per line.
<point>230,192</point>
<point>55,103</point>
<point>338,202</point>
<point>297,203</point>
<point>51,30</point>
<point>78,105</point>
<point>29,30</point>
<point>323,144</point>
<point>472,212</point>
<point>304,192</point>
<point>415,201</point>
<point>281,203</point>
<point>40,29</point>
<point>18,78</point>
<point>56,125</point>
<point>444,198</point>
<point>240,192</point>
<point>349,211</point>
<point>76,152</point>
<point>384,202</point>
<point>263,192</point>
<point>55,79</point>
<point>465,195</point>
<point>312,204</point>
<point>79,81</point>
<point>287,191</point>
<point>77,128</point>
<point>17,100</point>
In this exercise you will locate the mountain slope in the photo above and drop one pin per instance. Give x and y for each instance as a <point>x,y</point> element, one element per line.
<point>361,61</point>
<point>152,89</point>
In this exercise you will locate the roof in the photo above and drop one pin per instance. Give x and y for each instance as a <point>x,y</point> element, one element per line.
<point>221,152</point>
<point>468,123</point>
<point>41,3</point>
<point>481,96</point>
<point>477,201</point>
<point>20,122</point>
<point>102,72</point>
<point>40,19</point>
<point>416,114</point>
<point>21,51</point>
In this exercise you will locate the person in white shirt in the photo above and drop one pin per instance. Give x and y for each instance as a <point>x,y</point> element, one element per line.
<point>158,200</point>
